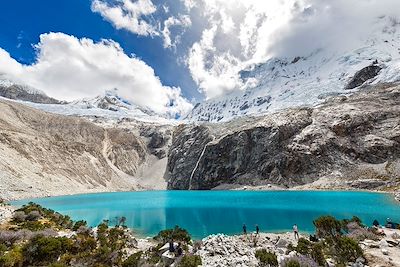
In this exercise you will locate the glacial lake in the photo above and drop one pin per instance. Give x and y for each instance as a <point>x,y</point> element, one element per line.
<point>208,212</point>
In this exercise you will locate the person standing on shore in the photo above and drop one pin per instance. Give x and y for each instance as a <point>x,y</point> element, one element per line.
<point>257,229</point>
<point>244,229</point>
<point>296,231</point>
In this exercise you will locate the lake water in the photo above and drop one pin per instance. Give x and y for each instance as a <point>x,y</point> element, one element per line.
<point>207,212</point>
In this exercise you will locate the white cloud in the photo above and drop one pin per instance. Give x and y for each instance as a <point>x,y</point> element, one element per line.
<point>128,14</point>
<point>238,33</point>
<point>68,68</point>
<point>182,21</point>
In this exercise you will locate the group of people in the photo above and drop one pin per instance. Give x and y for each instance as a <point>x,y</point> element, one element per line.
<point>295,230</point>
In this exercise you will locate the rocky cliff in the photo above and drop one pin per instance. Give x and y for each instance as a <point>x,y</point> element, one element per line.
<point>47,154</point>
<point>353,140</point>
<point>348,141</point>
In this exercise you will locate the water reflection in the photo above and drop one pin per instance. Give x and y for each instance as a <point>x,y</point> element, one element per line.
<point>207,212</point>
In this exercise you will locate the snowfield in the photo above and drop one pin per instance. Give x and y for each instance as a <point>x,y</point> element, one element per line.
<point>281,83</point>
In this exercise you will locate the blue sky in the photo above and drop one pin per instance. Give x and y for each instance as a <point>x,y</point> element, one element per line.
<point>168,55</point>
<point>26,20</point>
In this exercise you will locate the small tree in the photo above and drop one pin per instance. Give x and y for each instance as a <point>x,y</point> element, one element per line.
<point>176,234</point>
<point>328,226</point>
<point>78,224</point>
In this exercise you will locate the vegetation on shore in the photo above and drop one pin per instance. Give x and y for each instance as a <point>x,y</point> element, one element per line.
<point>37,236</point>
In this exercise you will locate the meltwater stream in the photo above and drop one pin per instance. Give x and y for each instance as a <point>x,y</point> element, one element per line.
<point>208,212</point>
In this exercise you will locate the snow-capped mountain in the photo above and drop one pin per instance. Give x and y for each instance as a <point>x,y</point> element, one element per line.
<point>307,80</point>
<point>108,106</point>
<point>12,90</point>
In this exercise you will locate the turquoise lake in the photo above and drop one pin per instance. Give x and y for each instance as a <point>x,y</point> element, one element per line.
<point>208,212</point>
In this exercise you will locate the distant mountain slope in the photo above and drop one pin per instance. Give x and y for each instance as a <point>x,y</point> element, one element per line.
<point>48,154</point>
<point>347,141</point>
<point>106,106</point>
<point>307,80</point>
<point>15,91</point>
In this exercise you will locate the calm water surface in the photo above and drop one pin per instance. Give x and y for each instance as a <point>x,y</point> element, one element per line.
<point>209,212</point>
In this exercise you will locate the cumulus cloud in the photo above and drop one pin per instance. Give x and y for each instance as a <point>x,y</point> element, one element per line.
<point>231,35</point>
<point>183,21</point>
<point>240,33</point>
<point>127,14</point>
<point>68,68</point>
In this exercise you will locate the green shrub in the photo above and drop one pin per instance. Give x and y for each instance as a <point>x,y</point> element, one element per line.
<point>176,234</point>
<point>34,211</point>
<point>152,255</point>
<point>12,258</point>
<point>190,261</point>
<point>133,260</point>
<point>303,246</point>
<point>317,253</point>
<point>292,263</point>
<point>328,226</point>
<point>79,224</point>
<point>346,250</point>
<point>266,258</point>
<point>45,250</point>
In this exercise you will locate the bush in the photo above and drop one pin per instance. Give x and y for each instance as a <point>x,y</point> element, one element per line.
<point>299,261</point>
<point>78,224</point>
<point>292,263</point>
<point>328,226</point>
<point>314,250</point>
<point>317,253</point>
<point>59,220</point>
<point>133,260</point>
<point>43,250</point>
<point>266,258</point>
<point>190,261</point>
<point>13,258</point>
<point>33,216</point>
<point>346,250</point>
<point>152,255</point>
<point>303,246</point>
<point>176,234</point>
<point>19,216</point>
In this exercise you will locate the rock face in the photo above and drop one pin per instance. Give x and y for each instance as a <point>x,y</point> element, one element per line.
<point>355,137</point>
<point>14,91</point>
<point>47,154</point>
<point>363,75</point>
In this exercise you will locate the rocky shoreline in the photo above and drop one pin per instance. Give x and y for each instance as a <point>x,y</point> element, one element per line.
<point>221,250</point>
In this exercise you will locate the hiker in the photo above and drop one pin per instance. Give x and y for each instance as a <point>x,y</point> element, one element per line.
<point>171,246</point>
<point>244,229</point>
<point>257,229</point>
<point>389,223</point>
<point>296,231</point>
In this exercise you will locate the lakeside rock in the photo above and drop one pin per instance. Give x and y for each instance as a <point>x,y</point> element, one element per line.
<point>397,196</point>
<point>239,250</point>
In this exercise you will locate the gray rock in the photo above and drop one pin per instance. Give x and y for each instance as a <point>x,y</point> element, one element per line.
<point>363,75</point>
<point>348,136</point>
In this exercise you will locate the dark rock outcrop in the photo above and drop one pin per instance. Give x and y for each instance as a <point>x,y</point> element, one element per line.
<point>293,147</point>
<point>363,75</point>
